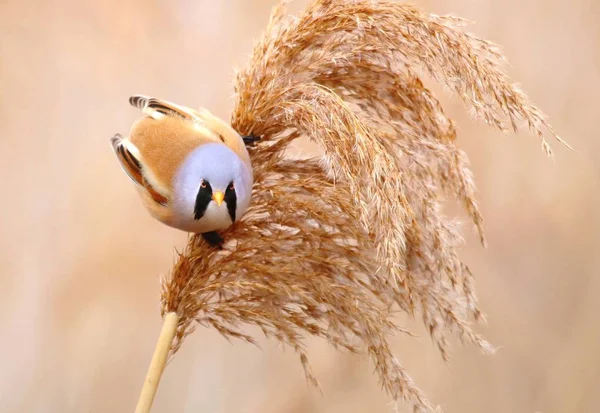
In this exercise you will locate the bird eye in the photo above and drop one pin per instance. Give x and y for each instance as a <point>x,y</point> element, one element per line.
<point>203,184</point>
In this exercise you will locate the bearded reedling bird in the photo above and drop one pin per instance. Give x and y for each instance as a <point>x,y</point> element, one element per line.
<point>192,170</point>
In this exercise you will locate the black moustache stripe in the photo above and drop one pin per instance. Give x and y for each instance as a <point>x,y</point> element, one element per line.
<point>231,200</point>
<point>202,200</point>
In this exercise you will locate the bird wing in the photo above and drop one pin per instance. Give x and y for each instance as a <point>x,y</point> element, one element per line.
<point>128,156</point>
<point>208,125</point>
<point>158,108</point>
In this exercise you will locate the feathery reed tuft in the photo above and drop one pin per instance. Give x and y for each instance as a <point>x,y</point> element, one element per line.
<point>331,246</point>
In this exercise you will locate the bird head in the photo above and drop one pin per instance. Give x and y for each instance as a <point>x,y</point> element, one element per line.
<point>211,189</point>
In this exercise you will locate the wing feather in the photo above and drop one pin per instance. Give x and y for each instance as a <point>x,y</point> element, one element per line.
<point>126,154</point>
<point>158,108</point>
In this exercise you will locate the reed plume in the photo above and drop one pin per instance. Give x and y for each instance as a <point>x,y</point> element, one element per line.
<point>333,246</point>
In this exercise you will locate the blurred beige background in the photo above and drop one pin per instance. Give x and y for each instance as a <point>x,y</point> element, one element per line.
<point>81,259</point>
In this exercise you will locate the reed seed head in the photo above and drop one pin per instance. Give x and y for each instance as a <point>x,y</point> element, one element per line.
<point>333,246</point>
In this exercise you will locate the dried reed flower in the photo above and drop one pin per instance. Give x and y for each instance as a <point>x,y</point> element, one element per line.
<point>331,246</point>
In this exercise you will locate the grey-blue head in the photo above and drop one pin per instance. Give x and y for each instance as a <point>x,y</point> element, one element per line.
<point>211,189</point>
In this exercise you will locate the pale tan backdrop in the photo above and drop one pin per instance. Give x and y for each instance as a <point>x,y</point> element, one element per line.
<point>80,260</point>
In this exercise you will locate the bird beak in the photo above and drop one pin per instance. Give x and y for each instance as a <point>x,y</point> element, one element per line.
<point>218,197</point>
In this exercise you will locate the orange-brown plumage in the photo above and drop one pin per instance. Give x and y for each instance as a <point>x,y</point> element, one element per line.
<point>163,145</point>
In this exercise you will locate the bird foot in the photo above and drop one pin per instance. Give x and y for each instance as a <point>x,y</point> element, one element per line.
<point>250,140</point>
<point>213,239</point>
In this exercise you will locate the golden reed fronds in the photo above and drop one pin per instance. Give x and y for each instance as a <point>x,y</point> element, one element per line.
<point>331,246</point>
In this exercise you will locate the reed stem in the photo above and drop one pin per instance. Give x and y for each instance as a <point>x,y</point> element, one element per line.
<point>158,363</point>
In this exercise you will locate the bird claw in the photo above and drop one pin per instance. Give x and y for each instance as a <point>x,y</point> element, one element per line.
<point>250,140</point>
<point>213,239</point>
